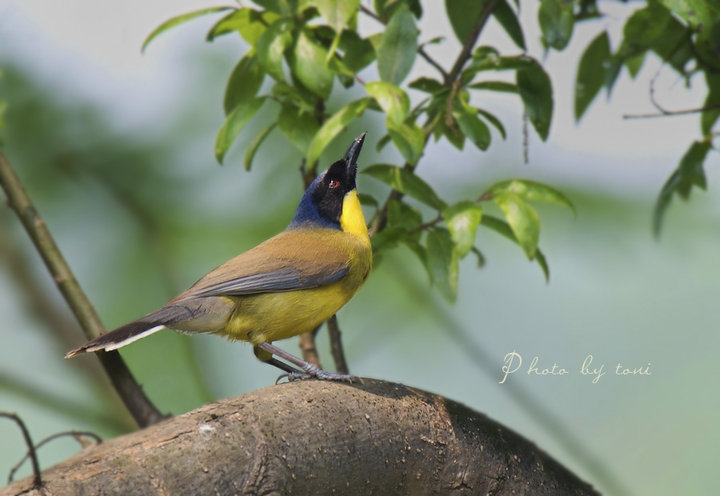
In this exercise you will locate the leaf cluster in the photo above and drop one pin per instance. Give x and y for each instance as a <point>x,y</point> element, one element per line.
<point>685,35</point>
<point>300,50</point>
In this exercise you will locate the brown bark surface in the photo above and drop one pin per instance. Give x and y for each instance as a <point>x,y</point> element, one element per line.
<point>313,438</point>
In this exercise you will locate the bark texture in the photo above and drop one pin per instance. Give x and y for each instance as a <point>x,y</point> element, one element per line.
<point>313,438</point>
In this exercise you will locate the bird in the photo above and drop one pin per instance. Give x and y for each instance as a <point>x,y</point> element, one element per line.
<point>285,286</point>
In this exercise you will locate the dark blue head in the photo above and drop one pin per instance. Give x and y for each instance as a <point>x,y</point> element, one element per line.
<point>322,203</point>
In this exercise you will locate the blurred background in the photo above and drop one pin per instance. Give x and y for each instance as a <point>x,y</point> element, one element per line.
<point>116,149</point>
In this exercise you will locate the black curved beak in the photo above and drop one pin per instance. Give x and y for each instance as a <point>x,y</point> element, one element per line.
<point>352,155</point>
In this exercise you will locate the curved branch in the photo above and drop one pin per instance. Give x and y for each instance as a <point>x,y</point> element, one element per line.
<point>132,395</point>
<point>317,437</point>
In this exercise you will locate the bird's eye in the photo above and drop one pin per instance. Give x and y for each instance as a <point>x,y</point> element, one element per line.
<point>334,183</point>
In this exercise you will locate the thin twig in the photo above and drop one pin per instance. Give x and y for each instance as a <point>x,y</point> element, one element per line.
<point>427,225</point>
<point>432,62</point>
<point>78,435</point>
<point>132,395</point>
<point>662,111</point>
<point>672,113</point>
<point>37,480</point>
<point>372,14</point>
<point>336,347</point>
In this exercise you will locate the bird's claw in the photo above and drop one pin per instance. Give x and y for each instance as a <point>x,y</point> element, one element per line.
<point>318,374</point>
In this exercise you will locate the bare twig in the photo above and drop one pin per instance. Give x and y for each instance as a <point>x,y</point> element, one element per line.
<point>336,347</point>
<point>671,113</point>
<point>78,435</point>
<point>432,62</point>
<point>662,111</point>
<point>37,480</point>
<point>132,395</point>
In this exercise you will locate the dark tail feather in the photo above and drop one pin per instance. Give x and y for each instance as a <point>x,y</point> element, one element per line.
<point>119,337</point>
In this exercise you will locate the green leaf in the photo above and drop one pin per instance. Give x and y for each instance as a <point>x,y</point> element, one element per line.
<point>709,117</point>
<point>703,18</point>
<point>358,52</point>
<point>408,138</point>
<point>503,228</point>
<point>392,100</point>
<point>400,214</point>
<point>382,142</point>
<point>175,21</point>
<point>531,191</point>
<point>298,126</point>
<point>248,22</point>
<point>463,15</point>
<point>406,182</point>
<point>689,173</point>
<point>368,200</point>
<point>252,23</point>
<point>542,262</point>
<point>472,126</point>
<point>633,64</point>
<point>642,29</point>
<point>398,47</point>
<point>556,22</point>
<point>536,93</point>
<point>427,85</point>
<point>499,86</point>
<point>283,7</point>
<point>333,126</point>
<point>271,46</point>
<point>337,12</point>
<point>442,262</point>
<point>255,144</point>
<point>494,121</point>
<point>508,19</point>
<point>388,239</point>
<point>592,73</point>
<point>419,251</point>
<point>244,83</point>
<point>308,65</point>
<point>462,220</point>
<point>233,125</point>
<point>523,221</point>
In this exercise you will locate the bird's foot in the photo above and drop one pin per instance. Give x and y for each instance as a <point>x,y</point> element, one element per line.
<point>319,374</point>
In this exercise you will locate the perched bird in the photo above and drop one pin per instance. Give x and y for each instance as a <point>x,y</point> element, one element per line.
<point>285,286</point>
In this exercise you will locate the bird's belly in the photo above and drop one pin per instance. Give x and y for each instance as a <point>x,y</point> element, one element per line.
<point>272,316</point>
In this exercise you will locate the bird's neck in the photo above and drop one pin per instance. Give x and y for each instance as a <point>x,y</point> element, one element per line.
<point>352,220</point>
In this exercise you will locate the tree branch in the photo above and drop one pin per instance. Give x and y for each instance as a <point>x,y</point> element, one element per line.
<point>132,395</point>
<point>317,437</point>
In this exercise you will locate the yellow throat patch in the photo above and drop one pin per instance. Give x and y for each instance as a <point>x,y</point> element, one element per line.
<point>352,220</point>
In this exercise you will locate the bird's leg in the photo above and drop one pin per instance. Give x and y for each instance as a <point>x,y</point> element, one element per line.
<point>266,356</point>
<point>309,369</point>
